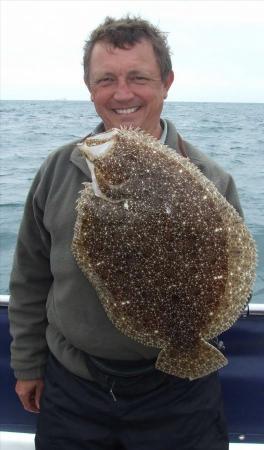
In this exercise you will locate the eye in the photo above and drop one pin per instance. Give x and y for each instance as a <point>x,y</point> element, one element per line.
<point>138,79</point>
<point>105,81</point>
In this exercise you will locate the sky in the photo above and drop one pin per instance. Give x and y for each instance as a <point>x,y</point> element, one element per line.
<point>217,46</point>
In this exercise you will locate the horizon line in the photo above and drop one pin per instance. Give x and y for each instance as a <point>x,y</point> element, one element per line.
<point>167,101</point>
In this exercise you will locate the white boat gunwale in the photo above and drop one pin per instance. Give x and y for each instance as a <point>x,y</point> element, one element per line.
<point>252,309</point>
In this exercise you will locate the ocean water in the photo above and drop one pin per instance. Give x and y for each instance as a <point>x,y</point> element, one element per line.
<point>232,134</point>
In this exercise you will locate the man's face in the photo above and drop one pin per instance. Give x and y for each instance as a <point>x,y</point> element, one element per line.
<point>126,86</point>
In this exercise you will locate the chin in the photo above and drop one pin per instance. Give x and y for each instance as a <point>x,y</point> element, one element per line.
<point>127,123</point>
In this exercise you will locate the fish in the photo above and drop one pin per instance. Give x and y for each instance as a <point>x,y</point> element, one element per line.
<point>171,260</point>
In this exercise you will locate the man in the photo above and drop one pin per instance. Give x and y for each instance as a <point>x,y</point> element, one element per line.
<point>94,387</point>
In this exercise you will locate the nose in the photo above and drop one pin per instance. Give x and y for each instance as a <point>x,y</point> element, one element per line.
<point>123,91</point>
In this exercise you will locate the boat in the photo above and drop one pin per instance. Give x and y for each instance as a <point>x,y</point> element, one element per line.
<point>242,383</point>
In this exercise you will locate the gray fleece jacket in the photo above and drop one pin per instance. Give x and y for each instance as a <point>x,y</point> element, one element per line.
<point>52,306</point>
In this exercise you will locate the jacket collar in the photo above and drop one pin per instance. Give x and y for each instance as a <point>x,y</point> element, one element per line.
<point>78,160</point>
<point>172,139</point>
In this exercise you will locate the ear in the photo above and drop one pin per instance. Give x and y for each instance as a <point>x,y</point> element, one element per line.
<point>168,82</point>
<point>88,87</point>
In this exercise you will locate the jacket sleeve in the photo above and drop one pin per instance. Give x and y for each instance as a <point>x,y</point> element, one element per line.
<point>30,282</point>
<point>222,180</point>
<point>231,196</point>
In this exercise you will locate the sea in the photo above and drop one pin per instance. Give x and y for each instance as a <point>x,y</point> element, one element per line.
<point>230,133</point>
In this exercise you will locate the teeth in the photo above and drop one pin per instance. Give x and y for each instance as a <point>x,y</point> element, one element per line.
<point>126,111</point>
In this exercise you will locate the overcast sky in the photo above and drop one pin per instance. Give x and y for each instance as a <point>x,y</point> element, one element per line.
<point>218,46</point>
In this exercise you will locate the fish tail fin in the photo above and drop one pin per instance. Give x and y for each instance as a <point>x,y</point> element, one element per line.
<point>201,360</point>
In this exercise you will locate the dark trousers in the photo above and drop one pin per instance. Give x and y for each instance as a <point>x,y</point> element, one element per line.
<point>148,412</point>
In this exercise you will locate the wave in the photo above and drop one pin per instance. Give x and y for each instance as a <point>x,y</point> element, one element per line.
<point>8,110</point>
<point>7,236</point>
<point>12,205</point>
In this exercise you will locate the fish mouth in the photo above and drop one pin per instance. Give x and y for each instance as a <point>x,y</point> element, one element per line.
<point>126,111</point>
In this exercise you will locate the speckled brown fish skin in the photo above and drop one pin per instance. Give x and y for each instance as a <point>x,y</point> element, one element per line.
<point>171,260</point>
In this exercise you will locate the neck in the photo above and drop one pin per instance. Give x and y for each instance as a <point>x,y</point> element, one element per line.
<point>157,132</point>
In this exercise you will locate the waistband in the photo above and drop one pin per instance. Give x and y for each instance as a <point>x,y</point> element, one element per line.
<point>121,368</point>
<point>136,383</point>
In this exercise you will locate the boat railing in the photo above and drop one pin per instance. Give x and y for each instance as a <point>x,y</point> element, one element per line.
<point>252,309</point>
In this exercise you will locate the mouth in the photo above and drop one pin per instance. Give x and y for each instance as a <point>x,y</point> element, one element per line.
<point>126,111</point>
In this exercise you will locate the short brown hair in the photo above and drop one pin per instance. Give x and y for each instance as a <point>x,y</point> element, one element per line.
<point>126,32</point>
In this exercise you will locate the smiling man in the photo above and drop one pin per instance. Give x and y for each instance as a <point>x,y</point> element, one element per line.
<point>94,387</point>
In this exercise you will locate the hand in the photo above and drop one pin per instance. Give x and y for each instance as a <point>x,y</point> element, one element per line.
<point>29,393</point>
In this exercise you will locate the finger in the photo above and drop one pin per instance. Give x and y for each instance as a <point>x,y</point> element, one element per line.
<point>28,402</point>
<point>39,391</point>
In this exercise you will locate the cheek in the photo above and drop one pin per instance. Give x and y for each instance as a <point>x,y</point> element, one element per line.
<point>154,98</point>
<point>100,99</point>
<point>155,105</point>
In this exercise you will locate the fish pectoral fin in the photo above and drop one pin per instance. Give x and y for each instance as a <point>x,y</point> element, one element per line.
<point>202,359</point>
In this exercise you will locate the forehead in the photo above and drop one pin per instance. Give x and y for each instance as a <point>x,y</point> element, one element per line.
<point>107,58</point>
